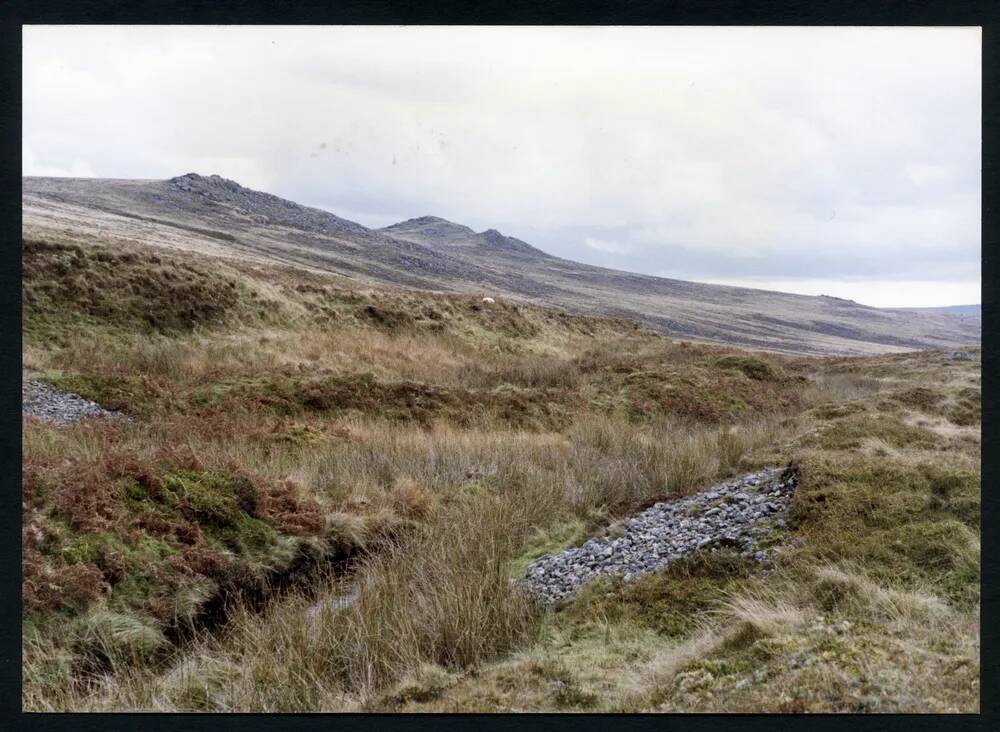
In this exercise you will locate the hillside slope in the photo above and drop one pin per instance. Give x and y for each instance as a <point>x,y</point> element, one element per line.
<point>285,425</point>
<point>217,216</point>
<point>966,313</point>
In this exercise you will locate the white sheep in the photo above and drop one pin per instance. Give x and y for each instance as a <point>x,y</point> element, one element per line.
<point>488,300</point>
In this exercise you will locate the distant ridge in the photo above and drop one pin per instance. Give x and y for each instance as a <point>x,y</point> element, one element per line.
<point>975,311</point>
<point>219,216</point>
<point>263,208</point>
<point>438,231</point>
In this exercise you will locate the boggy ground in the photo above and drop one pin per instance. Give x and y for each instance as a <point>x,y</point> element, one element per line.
<point>285,422</point>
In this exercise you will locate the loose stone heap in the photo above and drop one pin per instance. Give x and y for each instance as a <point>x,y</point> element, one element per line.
<point>737,514</point>
<point>43,401</point>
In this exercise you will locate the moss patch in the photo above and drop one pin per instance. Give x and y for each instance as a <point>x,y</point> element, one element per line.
<point>875,512</point>
<point>130,394</point>
<point>162,538</point>
<point>849,433</point>
<point>669,602</point>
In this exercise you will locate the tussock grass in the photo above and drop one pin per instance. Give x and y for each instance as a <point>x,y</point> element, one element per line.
<point>621,468</point>
<point>837,589</point>
<point>840,387</point>
<point>762,616</point>
<point>289,417</point>
<point>442,599</point>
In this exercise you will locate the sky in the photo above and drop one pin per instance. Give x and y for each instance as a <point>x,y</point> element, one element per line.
<point>838,161</point>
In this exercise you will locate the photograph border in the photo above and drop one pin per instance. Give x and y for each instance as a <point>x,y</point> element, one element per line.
<point>726,12</point>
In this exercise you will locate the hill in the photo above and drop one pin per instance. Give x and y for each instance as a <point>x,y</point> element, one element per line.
<point>288,432</point>
<point>972,310</point>
<point>213,215</point>
<point>966,313</point>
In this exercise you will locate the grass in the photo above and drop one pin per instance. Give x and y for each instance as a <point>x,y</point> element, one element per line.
<point>124,291</point>
<point>752,367</point>
<point>288,422</point>
<point>669,603</point>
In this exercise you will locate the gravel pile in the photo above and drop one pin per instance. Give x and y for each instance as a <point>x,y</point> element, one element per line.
<point>43,401</point>
<point>736,514</point>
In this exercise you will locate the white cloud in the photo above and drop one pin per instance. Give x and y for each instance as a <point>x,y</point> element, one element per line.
<point>600,245</point>
<point>876,293</point>
<point>31,165</point>
<point>700,148</point>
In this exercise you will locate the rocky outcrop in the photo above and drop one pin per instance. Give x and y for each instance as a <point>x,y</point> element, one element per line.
<point>264,208</point>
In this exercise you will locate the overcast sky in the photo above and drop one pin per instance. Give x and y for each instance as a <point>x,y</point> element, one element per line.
<point>839,161</point>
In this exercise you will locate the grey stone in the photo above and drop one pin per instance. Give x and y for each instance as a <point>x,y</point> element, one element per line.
<point>43,401</point>
<point>665,532</point>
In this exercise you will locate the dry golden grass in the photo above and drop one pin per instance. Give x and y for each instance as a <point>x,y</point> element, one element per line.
<point>156,213</point>
<point>480,442</point>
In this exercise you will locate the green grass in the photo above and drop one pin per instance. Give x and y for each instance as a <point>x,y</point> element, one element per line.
<point>66,286</point>
<point>753,367</point>
<point>671,602</point>
<point>850,432</point>
<point>549,540</point>
<point>285,420</point>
